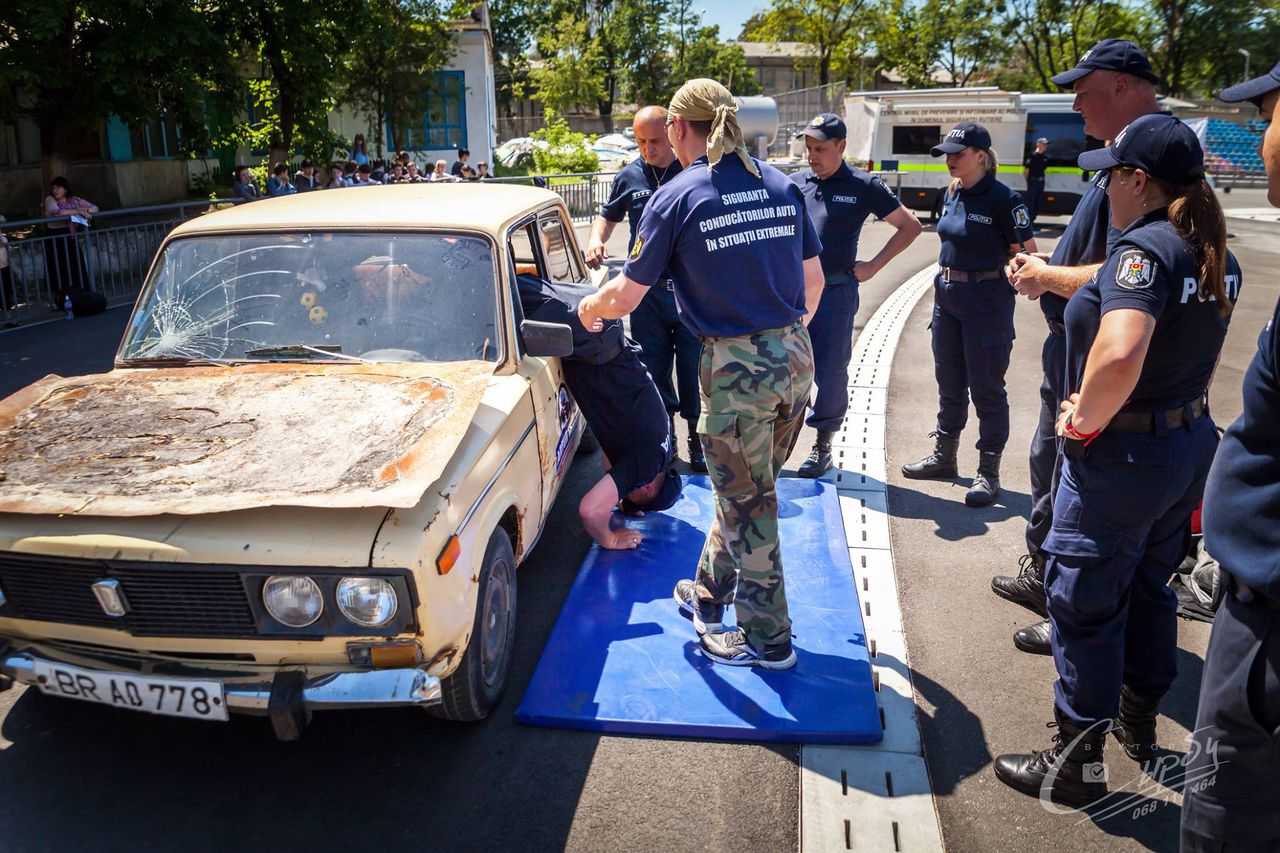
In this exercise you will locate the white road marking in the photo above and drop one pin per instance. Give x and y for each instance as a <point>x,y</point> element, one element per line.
<point>873,798</point>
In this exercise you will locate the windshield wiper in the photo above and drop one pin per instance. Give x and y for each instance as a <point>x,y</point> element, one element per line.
<point>165,360</point>
<point>304,350</point>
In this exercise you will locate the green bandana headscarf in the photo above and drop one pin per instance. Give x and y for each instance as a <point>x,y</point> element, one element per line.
<point>706,100</point>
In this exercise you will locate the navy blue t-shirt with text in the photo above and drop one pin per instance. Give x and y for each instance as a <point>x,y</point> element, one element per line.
<point>979,224</point>
<point>735,245</point>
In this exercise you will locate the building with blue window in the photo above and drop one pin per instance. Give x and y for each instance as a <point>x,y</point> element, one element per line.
<point>117,165</point>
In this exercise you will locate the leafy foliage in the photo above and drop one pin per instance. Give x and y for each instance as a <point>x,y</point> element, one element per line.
<point>557,150</point>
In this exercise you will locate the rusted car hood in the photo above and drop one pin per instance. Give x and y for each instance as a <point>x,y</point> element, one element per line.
<point>211,439</point>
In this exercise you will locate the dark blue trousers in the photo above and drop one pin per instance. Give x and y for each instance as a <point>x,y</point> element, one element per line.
<point>831,331</point>
<point>664,340</point>
<point>1231,799</point>
<point>1035,188</point>
<point>1045,459</point>
<point>1121,525</point>
<point>972,338</point>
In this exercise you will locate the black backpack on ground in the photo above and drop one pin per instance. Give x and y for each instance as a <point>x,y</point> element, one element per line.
<point>84,303</point>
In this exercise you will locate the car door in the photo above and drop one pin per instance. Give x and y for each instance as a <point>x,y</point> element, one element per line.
<point>559,423</point>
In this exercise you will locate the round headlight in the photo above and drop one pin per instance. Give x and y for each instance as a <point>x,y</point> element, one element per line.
<point>293,600</point>
<point>368,602</point>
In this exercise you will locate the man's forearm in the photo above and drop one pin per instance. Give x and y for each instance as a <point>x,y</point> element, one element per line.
<point>1065,281</point>
<point>612,301</point>
<point>602,230</point>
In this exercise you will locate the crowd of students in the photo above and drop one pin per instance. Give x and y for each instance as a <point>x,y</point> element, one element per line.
<point>358,171</point>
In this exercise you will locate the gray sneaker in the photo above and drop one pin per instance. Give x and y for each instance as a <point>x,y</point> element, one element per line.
<point>707,618</point>
<point>732,648</point>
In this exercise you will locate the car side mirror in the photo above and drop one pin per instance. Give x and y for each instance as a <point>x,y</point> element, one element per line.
<point>546,339</point>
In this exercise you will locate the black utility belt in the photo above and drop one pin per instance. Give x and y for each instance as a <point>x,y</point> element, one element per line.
<point>666,284</point>
<point>949,275</point>
<point>1143,423</point>
<point>1056,328</point>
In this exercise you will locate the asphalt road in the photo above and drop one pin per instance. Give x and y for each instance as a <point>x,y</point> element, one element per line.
<point>94,778</point>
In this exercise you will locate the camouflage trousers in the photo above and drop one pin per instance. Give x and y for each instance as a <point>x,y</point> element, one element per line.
<point>754,391</point>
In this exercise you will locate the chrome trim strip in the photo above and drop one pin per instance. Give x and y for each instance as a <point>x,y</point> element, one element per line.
<point>466,519</point>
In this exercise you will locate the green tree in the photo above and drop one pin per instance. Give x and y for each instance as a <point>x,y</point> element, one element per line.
<point>394,59</point>
<point>513,25</point>
<point>705,55</point>
<point>71,65</point>
<point>557,150</point>
<point>834,28</point>
<point>1188,39</point>
<point>569,76</point>
<point>1047,37</point>
<point>905,42</point>
<point>302,48</point>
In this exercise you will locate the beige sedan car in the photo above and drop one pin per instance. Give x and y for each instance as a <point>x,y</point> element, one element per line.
<point>328,442</point>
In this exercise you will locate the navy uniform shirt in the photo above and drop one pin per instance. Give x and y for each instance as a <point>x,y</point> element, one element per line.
<point>1151,269</point>
<point>1087,240</point>
<point>631,189</point>
<point>1036,165</point>
<point>1242,497</point>
<point>735,244</point>
<point>610,384</point>
<point>838,206</point>
<point>980,223</point>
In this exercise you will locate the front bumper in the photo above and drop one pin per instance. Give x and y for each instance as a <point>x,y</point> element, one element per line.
<point>289,695</point>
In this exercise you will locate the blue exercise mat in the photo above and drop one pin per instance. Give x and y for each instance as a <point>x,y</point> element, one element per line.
<point>623,659</point>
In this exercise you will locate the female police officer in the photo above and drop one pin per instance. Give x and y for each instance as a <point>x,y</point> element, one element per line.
<point>983,223</point>
<point>1143,337</point>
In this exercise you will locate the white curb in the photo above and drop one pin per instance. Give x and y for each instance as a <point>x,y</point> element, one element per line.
<point>873,798</point>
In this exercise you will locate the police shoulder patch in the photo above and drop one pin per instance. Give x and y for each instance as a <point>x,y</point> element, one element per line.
<point>635,249</point>
<point>1136,271</point>
<point>1021,217</point>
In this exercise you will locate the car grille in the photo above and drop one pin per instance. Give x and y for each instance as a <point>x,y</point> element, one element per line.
<point>163,599</point>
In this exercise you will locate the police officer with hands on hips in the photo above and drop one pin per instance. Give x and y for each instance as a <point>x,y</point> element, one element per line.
<point>1034,167</point>
<point>618,399</point>
<point>1231,799</point>
<point>735,234</point>
<point>983,223</point>
<point>655,324</point>
<point>1143,339</point>
<point>839,200</point>
<point>1114,85</point>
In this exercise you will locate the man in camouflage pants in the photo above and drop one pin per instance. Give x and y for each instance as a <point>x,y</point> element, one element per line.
<point>743,253</point>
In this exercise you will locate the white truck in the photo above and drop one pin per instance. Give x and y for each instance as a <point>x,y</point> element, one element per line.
<point>894,130</point>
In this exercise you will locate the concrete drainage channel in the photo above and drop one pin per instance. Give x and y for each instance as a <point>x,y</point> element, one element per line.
<point>873,798</point>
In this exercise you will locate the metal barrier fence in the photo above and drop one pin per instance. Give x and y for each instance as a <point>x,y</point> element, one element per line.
<point>582,193</point>
<point>111,257</point>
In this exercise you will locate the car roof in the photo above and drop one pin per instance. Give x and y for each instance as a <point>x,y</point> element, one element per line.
<point>472,206</point>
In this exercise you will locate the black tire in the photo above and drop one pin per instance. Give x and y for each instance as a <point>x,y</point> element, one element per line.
<point>475,687</point>
<point>588,443</point>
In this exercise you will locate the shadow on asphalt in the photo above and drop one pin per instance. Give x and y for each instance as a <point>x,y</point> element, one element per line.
<point>953,520</point>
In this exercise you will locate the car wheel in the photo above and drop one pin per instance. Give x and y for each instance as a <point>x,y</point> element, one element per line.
<point>475,687</point>
<point>588,443</point>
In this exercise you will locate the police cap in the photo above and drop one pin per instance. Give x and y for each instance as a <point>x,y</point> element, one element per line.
<point>1253,90</point>
<point>823,127</point>
<point>967,134</point>
<point>1160,145</point>
<point>1109,55</point>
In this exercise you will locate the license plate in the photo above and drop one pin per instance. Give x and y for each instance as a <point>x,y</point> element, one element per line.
<point>174,697</point>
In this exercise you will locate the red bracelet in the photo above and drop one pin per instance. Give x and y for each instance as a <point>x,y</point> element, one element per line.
<point>1072,432</point>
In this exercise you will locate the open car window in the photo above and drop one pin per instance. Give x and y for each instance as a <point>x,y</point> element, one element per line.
<point>561,265</point>
<point>383,297</point>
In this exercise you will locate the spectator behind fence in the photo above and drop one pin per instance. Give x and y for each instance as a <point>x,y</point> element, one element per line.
<point>279,184</point>
<point>243,185</point>
<point>440,174</point>
<point>364,176</point>
<point>412,175</point>
<point>335,177</point>
<point>359,155</point>
<point>482,171</point>
<point>379,173</point>
<point>307,179</point>
<point>468,173</point>
<point>460,163</point>
<point>64,261</point>
<point>396,175</point>
<point>403,158</point>
<point>349,173</point>
<point>8,293</point>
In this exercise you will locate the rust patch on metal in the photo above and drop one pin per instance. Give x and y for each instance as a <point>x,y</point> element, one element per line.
<point>213,439</point>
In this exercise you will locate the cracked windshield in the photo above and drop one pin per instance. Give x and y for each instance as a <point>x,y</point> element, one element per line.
<point>319,296</point>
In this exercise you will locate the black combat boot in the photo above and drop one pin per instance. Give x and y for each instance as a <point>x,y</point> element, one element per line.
<point>1135,726</point>
<point>1035,639</point>
<point>938,465</point>
<point>671,425</point>
<point>697,461</point>
<point>1027,588</point>
<point>986,485</point>
<point>819,461</point>
<point>1070,771</point>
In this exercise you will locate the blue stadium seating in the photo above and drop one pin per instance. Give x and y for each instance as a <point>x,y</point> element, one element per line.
<point>1233,147</point>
